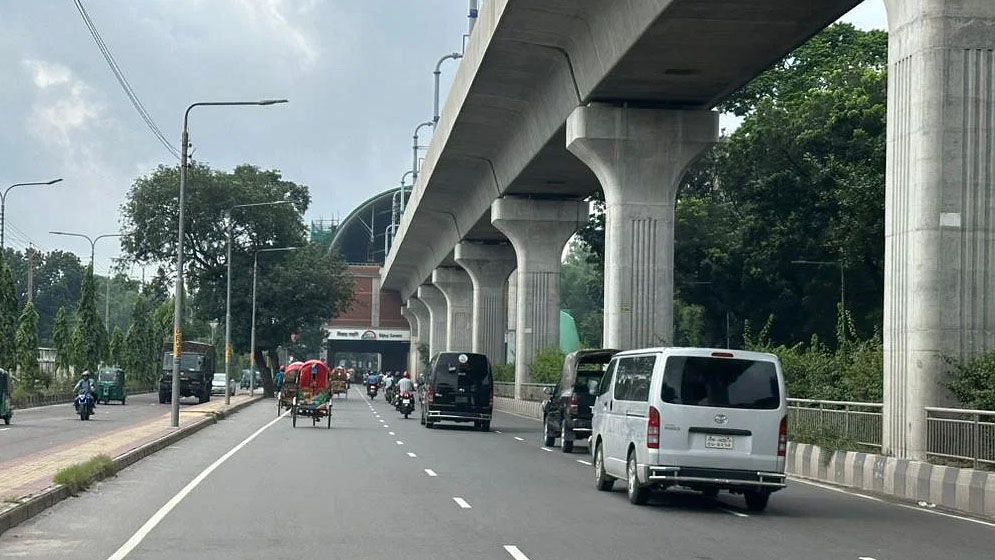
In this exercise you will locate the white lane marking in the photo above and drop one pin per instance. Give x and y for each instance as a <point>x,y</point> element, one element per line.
<point>515,553</point>
<point>386,426</point>
<point>546,449</point>
<point>412,455</point>
<point>732,512</point>
<point>399,442</point>
<point>519,439</point>
<point>158,516</point>
<point>430,472</point>
<point>583,462</point>
<point>498,432</point>
<point>392,433</point>
<point>462,503</point>
<point>905,506</point>
<point>4,429</point>
<point>865,558</point>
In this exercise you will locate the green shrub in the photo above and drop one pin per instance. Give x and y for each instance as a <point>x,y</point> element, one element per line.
<point>828,439</point>
<point>547,366</point>
<point>504,373</point>
<point>80,476</point>
<point>973,382</point>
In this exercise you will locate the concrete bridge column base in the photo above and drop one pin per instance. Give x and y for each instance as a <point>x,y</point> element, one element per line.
<point>413,349</point>
<point>454,283</point>
<point>416,308</point>
<point>489,267</point>
<point>538,229</point>
<point>939,210</point>
<point>438,317</point>
<point>639,156</point>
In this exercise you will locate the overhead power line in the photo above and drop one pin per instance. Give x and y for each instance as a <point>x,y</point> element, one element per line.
<point>121,79</point>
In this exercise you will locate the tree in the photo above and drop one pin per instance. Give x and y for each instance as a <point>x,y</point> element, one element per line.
<point>89,340</point>
<point>62,335</point>
<point>26,351</point>
<point>8,316</point>
<point>57,280</point>
<point>582,294</point>
<point>136,358</point>
<point>114,354</point>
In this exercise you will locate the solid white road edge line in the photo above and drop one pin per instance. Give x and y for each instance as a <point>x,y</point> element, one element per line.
<point>905,506</point>
<point>462,503</point>
<point>158,516</point>
<point>430,472</point>
<point>515,553</point>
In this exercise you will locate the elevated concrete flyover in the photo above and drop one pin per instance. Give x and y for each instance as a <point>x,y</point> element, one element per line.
<point>556,98</point>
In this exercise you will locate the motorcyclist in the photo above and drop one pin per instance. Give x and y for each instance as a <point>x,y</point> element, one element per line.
<point>86,386</point>
<point>405,385</point>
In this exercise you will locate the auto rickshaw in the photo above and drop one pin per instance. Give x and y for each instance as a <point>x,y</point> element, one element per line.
<point>110,385</point>
<point>6,411</point>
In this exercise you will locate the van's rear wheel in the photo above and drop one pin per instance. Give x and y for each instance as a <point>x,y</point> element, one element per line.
<point>756,500</point>
<point>637,493</point>
<point>566,443</point>
<point>602,481</point>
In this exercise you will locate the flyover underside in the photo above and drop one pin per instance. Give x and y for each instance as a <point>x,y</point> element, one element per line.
<point>530,63</point>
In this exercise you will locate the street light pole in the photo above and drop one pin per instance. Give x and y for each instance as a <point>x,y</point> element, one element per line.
<point>3,206</point>
<point>228,349</point>
<point>414,150</point>
<point>93,245</point>
<point>174,418</point>
<point>438,75</point>
<point>252,334</point>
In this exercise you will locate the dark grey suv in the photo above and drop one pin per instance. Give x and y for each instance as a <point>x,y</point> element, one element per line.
<point>567,414</point>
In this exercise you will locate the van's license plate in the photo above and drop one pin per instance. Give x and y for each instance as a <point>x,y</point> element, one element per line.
<point>718,442</point>
<point>462,400</point>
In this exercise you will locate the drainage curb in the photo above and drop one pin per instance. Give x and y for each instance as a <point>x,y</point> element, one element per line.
<point>32,505</point>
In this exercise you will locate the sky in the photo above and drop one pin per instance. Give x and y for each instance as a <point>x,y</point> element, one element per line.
<point>358,74</point>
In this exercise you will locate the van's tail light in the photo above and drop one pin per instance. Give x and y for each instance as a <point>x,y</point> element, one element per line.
<point>574,403</point>
<point>782,438</point>
<point>429,394</point>
<point>653,429</point>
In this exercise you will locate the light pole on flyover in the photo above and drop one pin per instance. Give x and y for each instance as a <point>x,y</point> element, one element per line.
<point>252,336</point>
<point>174,419</point>
<point>228,348</point>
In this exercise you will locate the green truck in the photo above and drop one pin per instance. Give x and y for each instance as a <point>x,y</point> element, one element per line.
<point>196,372</point>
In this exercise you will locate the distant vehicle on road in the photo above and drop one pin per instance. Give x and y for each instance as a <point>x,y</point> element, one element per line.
<point>110,385</point>
<point>700,418</point>
<point>459,388</point>
<point>218,385</point>
<point>196,372</point>
<point>247,376</point>
<point>6,411</point>
<point>567,414</point>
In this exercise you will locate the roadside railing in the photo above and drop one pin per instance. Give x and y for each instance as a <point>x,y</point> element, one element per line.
<point>64,397</point>
<point>859,421</point>
<point>530,391</point>
<point>962,434</point>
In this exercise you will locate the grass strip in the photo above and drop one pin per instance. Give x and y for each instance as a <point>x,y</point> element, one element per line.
<point>80,476</point>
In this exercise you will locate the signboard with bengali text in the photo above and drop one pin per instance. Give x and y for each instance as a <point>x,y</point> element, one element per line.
<point>382,335</point>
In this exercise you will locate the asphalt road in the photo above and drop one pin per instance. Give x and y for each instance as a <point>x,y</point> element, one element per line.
<point>356,492</point>
<point>36,429</point>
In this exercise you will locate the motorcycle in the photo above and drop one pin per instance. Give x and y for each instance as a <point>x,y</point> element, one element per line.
<point>371,391</point>
<point>406,404</point>
<point>84,404</point>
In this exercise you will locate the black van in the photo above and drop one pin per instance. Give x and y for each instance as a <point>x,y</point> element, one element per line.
<point>459,388</point>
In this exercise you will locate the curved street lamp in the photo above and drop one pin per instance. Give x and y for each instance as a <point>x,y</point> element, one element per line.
<point>3,204</point>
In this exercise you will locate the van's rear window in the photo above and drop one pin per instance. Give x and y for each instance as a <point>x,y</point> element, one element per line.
<point>721,382</point>
<point>475,371</point>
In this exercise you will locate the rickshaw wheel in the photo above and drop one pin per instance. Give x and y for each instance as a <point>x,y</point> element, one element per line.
<point>278,407</point>
<point>293,416</point>
<point>329,419</point>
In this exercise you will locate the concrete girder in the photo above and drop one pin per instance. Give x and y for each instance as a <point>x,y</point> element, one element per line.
<point>538,229</point>
<point>640,156</point>
<point>939,216</point>
<point>489,266</point>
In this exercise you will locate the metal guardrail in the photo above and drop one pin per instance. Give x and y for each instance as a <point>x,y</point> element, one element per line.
<point>860,421</point>
<point>530,391</point>
<point>66,397</point>
<point>963,434</point>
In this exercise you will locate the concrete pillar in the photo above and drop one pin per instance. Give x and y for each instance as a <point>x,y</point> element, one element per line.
<point>939,210</point>
<point>418,308</point>
<point>375,301</point>
<point>454,283</point>
<point>639,156</point>
<point>436,304</point>
<point>489,267</point>
<point>413,359</point>
<point>538,229</point>
<point>511,297</point>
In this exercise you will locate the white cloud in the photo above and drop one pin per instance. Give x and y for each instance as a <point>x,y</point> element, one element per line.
<point>272,14</point>
<point>63,104</point>
<point>47,74</point>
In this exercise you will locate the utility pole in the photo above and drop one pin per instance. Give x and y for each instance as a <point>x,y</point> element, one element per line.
<point>31,272</point>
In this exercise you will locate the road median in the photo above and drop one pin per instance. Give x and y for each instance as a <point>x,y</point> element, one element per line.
<point>27,487</point>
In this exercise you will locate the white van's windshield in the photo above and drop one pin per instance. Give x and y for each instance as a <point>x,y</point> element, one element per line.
<point>721,382</point>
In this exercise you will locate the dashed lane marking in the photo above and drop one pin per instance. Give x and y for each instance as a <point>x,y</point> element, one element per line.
<point>399,442</point>
<point>412,455</point>
<point>498,432</point>
<point>515,552</point>
<point>462,503</point>
<point>391,433</point>
<point>546,449</point>
<point>583,462</point>
<point>430,472</point>
<point>519,439</point>
<point>733,512</point>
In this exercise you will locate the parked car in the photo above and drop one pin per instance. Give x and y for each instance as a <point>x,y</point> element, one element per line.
<point>698,418</point>
<point>459,388</point>
<point>567,414</point>
<point>218,385</point>
<point>247,375</point>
